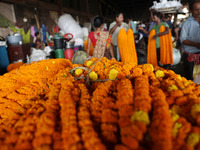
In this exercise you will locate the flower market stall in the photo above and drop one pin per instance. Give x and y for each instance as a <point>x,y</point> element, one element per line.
<point>102,104</point>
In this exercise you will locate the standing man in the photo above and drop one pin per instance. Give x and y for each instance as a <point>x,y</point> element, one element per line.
<point>114,30</point>
<point>190,39</point>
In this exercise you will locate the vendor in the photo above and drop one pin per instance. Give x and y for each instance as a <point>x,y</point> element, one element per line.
<point>157,19</point>
<point>190,39</point>
<point>114,29</point>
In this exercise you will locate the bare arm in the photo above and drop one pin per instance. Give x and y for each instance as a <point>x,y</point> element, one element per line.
<point>113,28</point>
<point>151,13</point>
<point>176,30</point>
<point>111,51</point>
<point>163,33</point>
<point>88,48</point>
<point>144,30</point>
<point>190,43</point>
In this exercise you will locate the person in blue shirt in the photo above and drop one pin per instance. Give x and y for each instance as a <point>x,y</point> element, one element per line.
<point>190,39</point>
<point>132,24</point>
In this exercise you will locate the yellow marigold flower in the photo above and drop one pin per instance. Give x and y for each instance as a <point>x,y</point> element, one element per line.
<point>179,77</point>
<point>175,129</point>
<point>175,116</point>
<point>176,109</point>
<point>113,74</point>
<point>112,66</point>
<point>160,74</point>
<point>78,71</point>
<point>187,83</point>
<point>151,67</point>
<point>193,139</point>
<point>173,87</point>
<point>93,76</point>
<point>89,63</point>
<point>140,116</point>
<point>47,68</point>
<point>147,68</point>
<point>195,110</point>
<point>182,87</point>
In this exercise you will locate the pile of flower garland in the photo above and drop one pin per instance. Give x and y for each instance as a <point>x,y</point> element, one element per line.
<point>50,105</point>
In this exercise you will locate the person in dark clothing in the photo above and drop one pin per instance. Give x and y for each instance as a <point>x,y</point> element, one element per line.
<point>140,48</point>
<point>167,19</point>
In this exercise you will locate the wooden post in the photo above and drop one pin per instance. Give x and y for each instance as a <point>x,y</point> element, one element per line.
<point>87,10</point>
<point>60,3</point>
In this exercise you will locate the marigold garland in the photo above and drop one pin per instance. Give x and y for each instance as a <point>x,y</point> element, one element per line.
<point>47,105</point>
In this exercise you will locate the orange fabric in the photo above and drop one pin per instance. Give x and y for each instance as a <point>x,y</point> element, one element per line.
<point>166,47</point>
<point>131,46</point>
<point>14,66</point>
<point>91,47</point>
<point>126,46</point>
<point>123,45</point>
<point>152,54</point>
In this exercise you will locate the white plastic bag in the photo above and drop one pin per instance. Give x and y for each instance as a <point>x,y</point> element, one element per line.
<point>37,55</point>
<point>176,56</point>
<point>67,23</point>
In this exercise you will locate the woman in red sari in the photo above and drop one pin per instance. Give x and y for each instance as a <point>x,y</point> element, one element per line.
<point>101,40</point>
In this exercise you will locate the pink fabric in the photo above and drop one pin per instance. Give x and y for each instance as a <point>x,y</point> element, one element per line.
<point>193,57</point>
<point>32,31</point>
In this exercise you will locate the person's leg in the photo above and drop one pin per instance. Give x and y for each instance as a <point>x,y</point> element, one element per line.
<point>118,54</point>
<point>115,51</point>
<point>158,56</point>
<point>188,67</point>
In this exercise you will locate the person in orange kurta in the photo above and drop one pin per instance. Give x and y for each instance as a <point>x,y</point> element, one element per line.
<point>160,43</point>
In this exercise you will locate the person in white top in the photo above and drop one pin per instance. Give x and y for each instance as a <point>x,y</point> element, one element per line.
<point>114,29</point>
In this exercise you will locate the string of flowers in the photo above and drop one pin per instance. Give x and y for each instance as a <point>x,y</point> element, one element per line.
<point>161,123</point>
<point>142,106</point>
<point>193,139</point>
<point>90,139</point>
<point>99,94</point>
<point>109,121</point>
<point>128,132</point>
<point>180,131</point>
<point>46,123</point>
<point>68,114</point>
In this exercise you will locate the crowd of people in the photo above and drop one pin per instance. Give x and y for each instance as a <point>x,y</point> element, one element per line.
<point>106,42</point>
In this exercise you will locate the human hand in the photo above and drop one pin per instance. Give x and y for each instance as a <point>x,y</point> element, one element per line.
<point>155,36</point>
<point>175,40</point>
<point>150,9</point>
<point>119,23</point>
<point>88,58</point>
<point>141,28</point>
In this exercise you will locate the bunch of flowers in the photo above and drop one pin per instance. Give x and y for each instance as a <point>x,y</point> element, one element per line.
<point>49,105</point>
